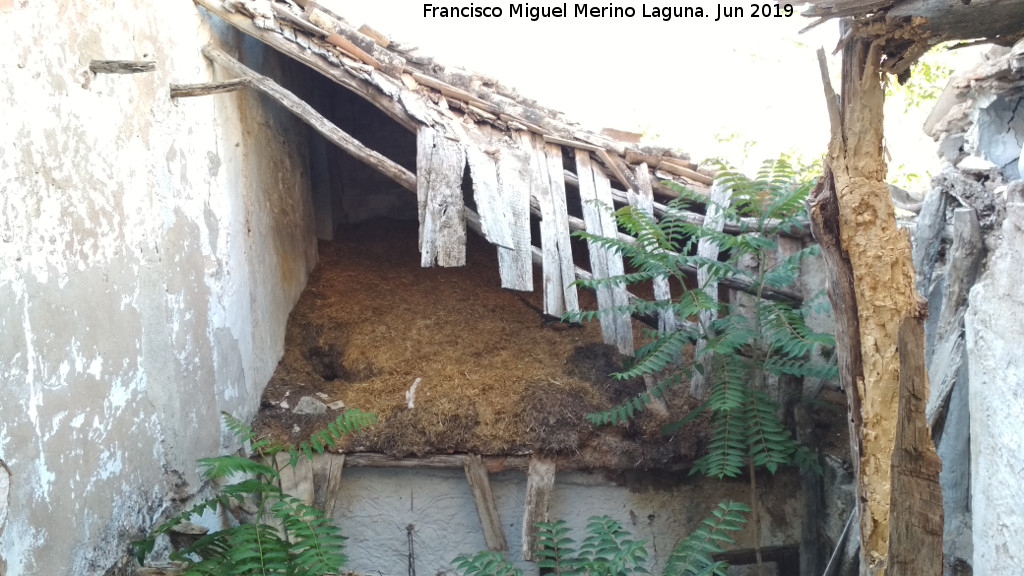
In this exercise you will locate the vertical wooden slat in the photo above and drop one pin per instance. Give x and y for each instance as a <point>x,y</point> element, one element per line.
<point>486,193</point>
<point>547,184</point>
<point>714,219</point>
<point>596,196</point>
<point>480,485</point>
<point>439,169</point>
<point>516,263</point>
<point>540,483</point>
<point>644,201</point>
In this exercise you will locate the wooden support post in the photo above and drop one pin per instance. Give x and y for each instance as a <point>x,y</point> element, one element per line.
<point>480,485</point>
<point>327,468</point>
<point>440,164</point>
<point>540,483</point>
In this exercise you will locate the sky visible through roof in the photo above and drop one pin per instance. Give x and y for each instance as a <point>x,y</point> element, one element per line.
<point>688,81</point>
<point>743,88</point>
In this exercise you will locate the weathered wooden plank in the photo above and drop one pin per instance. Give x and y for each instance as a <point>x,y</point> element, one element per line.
<point>439,168</point>
<point>915,509</point>
<point>559,295</point>
<point>483,167</point>
<point>516,263</point>
<point>295,480</point>
<point>707,248</point>
<point>327,468</point>
<point>480,485</point>
<point>644,201</point>
<point>540,483</point>
<point>596,197</point>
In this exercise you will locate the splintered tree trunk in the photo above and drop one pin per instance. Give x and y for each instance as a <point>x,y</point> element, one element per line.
<point>881,332</point>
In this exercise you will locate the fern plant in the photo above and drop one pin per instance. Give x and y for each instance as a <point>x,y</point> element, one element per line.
<point>742,346</point>
<point>608,549</point>
<point>303,542</point>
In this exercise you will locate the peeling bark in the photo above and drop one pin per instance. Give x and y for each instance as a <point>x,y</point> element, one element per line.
<point>885,299</point>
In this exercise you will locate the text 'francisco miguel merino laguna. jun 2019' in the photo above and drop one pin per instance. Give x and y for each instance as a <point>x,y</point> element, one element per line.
<point>610,10</point>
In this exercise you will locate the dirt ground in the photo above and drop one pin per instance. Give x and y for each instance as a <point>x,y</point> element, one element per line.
<point>494,376</point>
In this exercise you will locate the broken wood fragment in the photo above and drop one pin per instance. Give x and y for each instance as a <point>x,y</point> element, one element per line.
<point>121,66</point>
<point>480,486</point>
<point>207,88</point>
<point>540,483</point>
<point>440,165</point>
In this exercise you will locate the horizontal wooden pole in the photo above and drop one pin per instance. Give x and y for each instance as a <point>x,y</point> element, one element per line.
<point>122,66</point>
<point>207,88</point>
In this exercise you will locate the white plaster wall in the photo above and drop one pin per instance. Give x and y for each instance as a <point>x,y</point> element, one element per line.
<point>995,326</point>
<point>376,506</point>
<point>150,251</point>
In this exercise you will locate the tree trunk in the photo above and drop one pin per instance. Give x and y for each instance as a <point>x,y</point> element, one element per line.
<point>874,254</point>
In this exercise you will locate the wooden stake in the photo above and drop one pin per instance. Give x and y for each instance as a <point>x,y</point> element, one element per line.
<point>480,485</point>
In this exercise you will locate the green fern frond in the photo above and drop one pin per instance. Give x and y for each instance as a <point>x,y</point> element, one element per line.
<point>486,563</point>
<point>770,444</point>
<point>693,555</point>
<point>555,550</point>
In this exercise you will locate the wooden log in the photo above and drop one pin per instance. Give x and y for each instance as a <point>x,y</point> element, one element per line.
<point>440,164</point>
<point>436,462</point>
<point>357,84</point>
<point>571,143</point>
<point>540,484</point>
<point>207,88</point>
<point>327,468</point>
<point>596,199</point>
<point>719,200</point>
<point>314,119</point>
<point>121,66</point>
<point>480,486</point>
<point>685,172</point>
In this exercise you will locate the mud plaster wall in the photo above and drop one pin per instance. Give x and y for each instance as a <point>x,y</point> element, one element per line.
<point>150,252</point>
<point>375,506</point>
<point>996,397</point>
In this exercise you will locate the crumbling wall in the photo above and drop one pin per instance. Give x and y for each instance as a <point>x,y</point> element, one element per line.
<point>967,256</point>
<point>150,251</point>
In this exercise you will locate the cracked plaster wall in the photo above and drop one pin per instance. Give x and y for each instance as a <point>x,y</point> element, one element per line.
<point>150,252</point>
